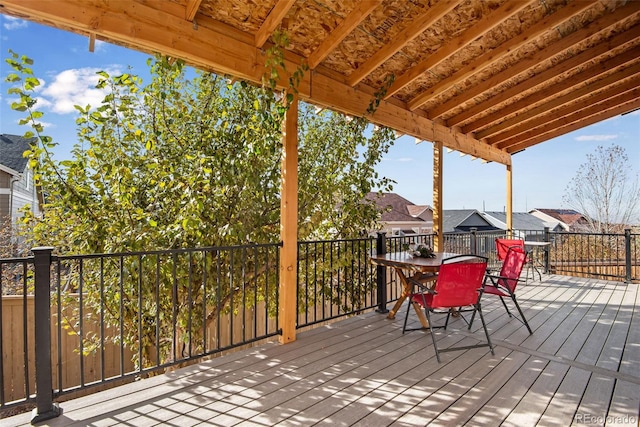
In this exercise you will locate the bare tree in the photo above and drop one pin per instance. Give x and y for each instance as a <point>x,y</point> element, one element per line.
<point>606,190</point>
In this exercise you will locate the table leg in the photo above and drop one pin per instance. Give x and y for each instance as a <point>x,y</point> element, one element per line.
<point>407,288</point>
<point>396,306</point>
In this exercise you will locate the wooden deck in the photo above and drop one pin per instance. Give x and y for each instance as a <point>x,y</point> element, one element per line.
<point>581,366</point>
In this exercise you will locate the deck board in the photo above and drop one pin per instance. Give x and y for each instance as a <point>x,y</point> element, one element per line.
<point>581,361</point>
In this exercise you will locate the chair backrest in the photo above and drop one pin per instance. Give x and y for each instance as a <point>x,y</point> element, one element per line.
<point>459,281</point>
<point>512,267</point>
<point>503,245</point>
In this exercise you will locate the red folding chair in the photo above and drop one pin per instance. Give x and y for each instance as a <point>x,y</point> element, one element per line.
<point>505,284</point>
<point>459,284</point>
<point>503,245</point>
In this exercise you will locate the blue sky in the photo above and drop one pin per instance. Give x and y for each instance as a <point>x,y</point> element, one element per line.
<point>540,174</point>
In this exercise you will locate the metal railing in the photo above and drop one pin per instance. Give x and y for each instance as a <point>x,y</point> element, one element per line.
<point>335,279</point>
<point>117,317</point>
<point>605,255</point>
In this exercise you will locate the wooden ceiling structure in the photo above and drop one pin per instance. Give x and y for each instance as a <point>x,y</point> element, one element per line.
<point>487,78</point>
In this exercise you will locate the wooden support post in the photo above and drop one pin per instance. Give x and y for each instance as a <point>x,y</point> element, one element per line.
<point>509,212</point>
<point>438,241</point>
<point>289,224</point>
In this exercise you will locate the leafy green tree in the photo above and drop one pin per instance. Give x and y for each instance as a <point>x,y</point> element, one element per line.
<point>189,160</point>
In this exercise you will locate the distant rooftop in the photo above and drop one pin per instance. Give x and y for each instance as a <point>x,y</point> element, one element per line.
<point>12,148</point>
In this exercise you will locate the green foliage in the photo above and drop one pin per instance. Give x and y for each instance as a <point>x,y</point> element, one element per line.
<point>189,160</point>
<point>275,65</point>
<point>379,95</point>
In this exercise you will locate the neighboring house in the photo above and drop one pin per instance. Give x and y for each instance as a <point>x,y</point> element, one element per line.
<point>17,188</point>
<point>401,217</point>
<point>463,220</point>
<point>567,219</point>
<point>523,222</point>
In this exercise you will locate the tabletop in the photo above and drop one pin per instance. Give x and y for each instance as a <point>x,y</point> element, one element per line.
<point>406,261</point>
<point>531,243</point>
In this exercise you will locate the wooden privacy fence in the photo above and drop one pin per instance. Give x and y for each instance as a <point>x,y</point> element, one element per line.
<point>609,269</point>
<point>71,369</point>
<point>67,363</point>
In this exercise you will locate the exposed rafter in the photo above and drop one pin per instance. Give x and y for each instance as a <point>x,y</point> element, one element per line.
<point>494,56</point>
<point>274,19</point>
<point>345,28</point>
<point>562,45</point>
<point>153,31</point>
<point>413,30</point>
<point>191,9</point>
<point>566,105</point>
<point>497,120</point>
<point>562,130</point>
<point>452,46</point>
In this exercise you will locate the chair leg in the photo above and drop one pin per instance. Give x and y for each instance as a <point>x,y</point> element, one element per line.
<point>473,316</point>
<point>524,320</point>
<point>406,317</point>
<point>433,335</point>
<point>484,326</point>
<point>446,322</point>
<point>505,307</point>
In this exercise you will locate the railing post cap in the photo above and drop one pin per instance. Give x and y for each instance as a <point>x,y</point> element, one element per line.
<point>42,249</point>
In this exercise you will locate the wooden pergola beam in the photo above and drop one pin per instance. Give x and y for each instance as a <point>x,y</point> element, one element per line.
<point>502,118</point>
<point>558,131</point>
<point>564,118</point>
<point>356,102</point>
<point>561,45</point>
<point>568,100</point>
<point>576,61</point>
<point>191,9</point>
<point>558,115</point>
<point>493,56</point>
<point>153,31</point>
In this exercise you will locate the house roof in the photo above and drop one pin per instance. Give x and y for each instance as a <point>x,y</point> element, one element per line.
<point>485,78</point>
<point>419,211</point>
<point>521,220</point>
<point>394,207</point>
<point>457,219</point>
<point>568,216</point>
<point>11,149</point>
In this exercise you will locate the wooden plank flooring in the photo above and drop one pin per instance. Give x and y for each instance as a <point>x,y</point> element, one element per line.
<point>581,366</point>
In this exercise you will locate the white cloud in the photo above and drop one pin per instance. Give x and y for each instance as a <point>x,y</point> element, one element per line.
<point>100,46</point>
<point>73,87</point>
<point>12,23</point>
<point>596,137</point>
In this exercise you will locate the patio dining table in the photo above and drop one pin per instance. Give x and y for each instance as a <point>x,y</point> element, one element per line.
<point>407,266</point>
<point>536,250</point>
